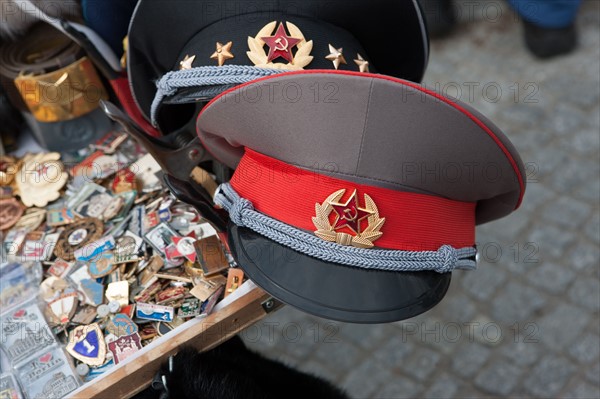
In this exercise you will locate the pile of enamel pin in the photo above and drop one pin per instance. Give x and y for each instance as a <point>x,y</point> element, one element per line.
<point>98,259</point>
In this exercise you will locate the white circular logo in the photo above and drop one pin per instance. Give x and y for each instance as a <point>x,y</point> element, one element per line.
<point>77,237</point>
<point>186,246</point>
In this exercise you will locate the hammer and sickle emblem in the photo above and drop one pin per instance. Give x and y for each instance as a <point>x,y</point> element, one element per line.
<point>282,44</point>
<point>348,214</point>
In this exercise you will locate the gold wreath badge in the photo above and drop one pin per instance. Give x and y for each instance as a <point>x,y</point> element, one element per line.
<point>259,57</point>
<point>327,231</point>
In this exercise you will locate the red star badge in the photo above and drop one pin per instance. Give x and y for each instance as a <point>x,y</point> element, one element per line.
<point>280,44</point>
<point>350,214</point>
<point>184,247</point>
<point>78,334</point>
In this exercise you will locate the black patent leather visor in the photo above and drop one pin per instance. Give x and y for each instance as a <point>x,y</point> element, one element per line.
<point>333,291</point>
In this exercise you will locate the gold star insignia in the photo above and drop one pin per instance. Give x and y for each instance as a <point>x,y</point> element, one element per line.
<point>363,65</point>
<point>336,56</point>
<point>350,214</point>
<point>222,53</point>
<point>187,62</point>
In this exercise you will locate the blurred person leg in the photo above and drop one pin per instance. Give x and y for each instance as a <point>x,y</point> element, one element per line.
<point>549,25</point>
<point>110,19</point>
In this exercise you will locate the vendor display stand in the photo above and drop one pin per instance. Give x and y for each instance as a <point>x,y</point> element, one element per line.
<point>136,374</point>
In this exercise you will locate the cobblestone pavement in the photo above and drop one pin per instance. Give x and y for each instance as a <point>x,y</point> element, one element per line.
<point>526,323</point>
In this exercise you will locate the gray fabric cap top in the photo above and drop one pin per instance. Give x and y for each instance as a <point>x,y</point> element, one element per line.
<point>377,131</point>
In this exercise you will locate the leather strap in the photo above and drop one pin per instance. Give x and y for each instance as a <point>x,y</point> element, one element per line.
<point>41,51</point>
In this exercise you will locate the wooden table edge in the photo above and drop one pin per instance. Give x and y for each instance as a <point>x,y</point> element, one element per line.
<point>130,378</point>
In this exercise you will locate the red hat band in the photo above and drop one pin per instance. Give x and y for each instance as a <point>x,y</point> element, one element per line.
<point>348,213</point>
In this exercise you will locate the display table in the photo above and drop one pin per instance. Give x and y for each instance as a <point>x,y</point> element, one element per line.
<point>135,374</point>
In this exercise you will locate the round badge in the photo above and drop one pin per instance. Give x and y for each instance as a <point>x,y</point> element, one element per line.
<point>102,311</point>
<point>82,369</point>
<point>114,306</point>
<point>10,212</point>
<point>77,236</point>
<point>185,246</point>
